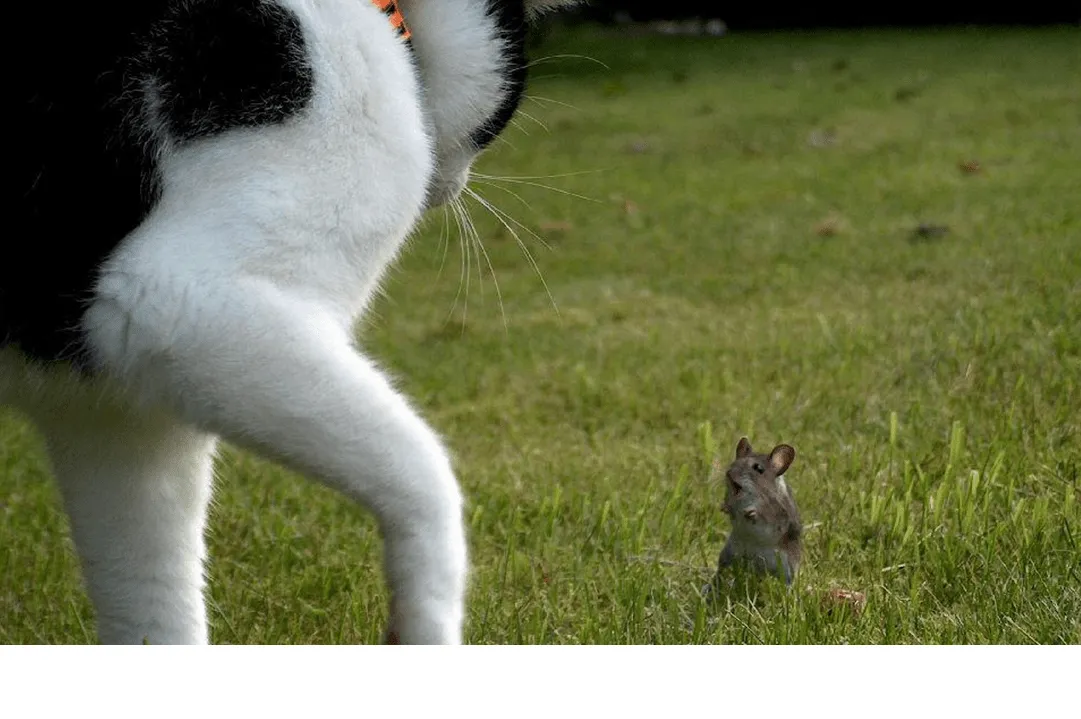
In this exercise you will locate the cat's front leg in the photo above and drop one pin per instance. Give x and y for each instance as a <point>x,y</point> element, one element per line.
<point>273,373</point>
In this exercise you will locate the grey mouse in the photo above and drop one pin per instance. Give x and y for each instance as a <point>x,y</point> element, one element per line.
<point>766,527</point>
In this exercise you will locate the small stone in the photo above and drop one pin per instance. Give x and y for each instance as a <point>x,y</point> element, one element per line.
<point>822,138</point>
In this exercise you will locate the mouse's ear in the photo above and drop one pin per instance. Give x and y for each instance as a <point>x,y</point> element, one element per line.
<point>743,448</point>
<point>781,458</point>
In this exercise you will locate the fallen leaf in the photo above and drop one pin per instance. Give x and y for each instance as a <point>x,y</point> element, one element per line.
<point>836,596</point>
<point>633,216</point>
<point>830,226</point>
<point>970,167</point>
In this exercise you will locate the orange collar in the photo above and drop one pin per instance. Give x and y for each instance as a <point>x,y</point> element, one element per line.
<point>397,20</point>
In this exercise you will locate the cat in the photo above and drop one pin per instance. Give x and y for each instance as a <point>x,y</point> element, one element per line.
<point>206,194</point>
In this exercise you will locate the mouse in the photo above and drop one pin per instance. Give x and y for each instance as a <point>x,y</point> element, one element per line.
<point>766,527</point>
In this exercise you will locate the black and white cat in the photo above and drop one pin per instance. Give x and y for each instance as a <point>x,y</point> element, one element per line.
<point>205,196</point>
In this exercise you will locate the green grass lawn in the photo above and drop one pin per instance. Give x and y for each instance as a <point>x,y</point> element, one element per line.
<point>731,249</point>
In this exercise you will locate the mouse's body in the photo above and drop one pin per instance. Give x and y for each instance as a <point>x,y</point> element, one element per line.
<point>766,527</point>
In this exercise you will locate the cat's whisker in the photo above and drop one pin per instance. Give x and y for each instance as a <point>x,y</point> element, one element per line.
<point>464,271</point>
<point>482,251</point>
<point>532,181</point>
<point>551,58</point>
<point>525,250</point>
<point>541,185</point>
<point>527,116</point>
<point>507,190</point>
<point>468,260</point>
<point>536,177</point>
<point>506,215</point>
<point>518,126</point>
<point>470,235</point>
<point>557,76</point>
<point>502,140</point>
<point>444,242</point>
<point>540,100</point>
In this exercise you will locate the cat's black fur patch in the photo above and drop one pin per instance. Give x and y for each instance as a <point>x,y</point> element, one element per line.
<point>81,164</point>
<point>510,18</point>
<point>221,64</point>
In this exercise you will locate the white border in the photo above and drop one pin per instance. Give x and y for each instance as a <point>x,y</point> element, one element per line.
<point>301,682</point>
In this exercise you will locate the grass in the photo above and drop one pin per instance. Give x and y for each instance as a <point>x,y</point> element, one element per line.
<point>747,264</point>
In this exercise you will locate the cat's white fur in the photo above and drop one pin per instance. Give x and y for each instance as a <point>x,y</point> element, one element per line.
<point>229,312</point>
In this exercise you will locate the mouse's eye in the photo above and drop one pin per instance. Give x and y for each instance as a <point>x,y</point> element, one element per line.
<point>736,489</point>
<point>759,468</point>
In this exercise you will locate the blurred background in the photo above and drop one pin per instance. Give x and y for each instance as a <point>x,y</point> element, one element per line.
<point>767,16</point>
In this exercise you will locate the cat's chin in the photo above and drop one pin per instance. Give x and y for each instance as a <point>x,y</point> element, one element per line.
<point>443,192</point>
<point>434,200</point>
